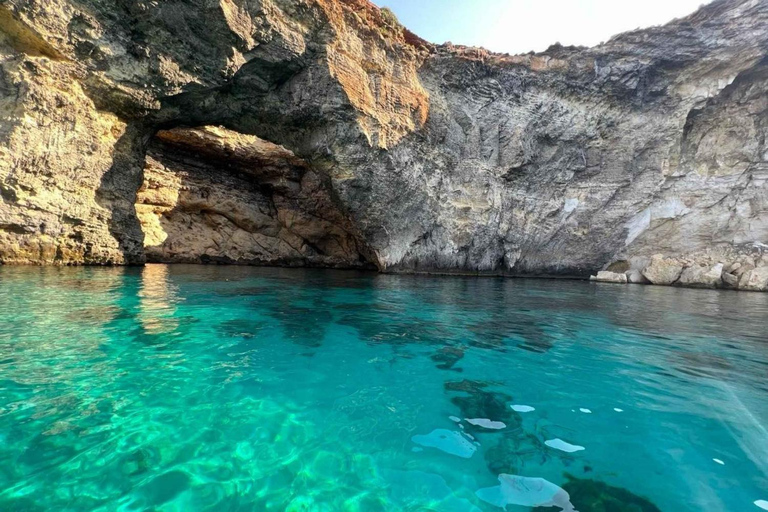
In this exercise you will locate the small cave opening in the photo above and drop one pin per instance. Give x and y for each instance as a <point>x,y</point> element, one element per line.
<point>212,195</point>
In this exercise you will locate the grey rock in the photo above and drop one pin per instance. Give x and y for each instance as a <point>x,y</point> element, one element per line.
<point>730,280</point>
<point>702,277</point>
<point>755,280</point>
<point>743,268</point>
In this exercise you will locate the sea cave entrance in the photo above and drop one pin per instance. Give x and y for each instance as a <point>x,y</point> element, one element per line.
<point>212,195</point>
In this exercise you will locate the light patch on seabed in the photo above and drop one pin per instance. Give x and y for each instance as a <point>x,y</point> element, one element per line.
<point>523,408</point>
<point>454,418</point>
<point>448,441</point>
<point>559,444</point>
<point>526,492</point>
<point>409,487</point>
<point>486,423</point>
<point>753,441</point>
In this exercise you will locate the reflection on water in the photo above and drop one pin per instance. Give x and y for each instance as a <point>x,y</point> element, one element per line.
<point>227,388</point>
<point>157,300</point>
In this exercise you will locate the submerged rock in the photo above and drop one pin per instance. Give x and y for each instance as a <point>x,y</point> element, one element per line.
<point>483,405</point>
<point>594,495</point>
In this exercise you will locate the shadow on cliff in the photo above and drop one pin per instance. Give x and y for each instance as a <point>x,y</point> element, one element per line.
<point>118,188</point>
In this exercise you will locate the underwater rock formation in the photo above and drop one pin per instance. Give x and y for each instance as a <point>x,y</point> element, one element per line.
<point>395,152</point>
<point>586,494</point>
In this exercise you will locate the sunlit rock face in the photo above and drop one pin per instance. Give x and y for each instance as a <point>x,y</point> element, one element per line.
<point>430,158</point>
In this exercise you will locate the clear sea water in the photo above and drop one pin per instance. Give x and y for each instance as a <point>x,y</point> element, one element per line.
<point>171,388</point>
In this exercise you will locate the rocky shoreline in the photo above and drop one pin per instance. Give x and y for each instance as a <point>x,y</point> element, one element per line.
<point>744,269</point>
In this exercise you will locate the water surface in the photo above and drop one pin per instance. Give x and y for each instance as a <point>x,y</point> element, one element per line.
<point>190,388</point>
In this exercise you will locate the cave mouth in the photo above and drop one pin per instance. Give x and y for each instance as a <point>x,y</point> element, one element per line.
<point>212,195</point>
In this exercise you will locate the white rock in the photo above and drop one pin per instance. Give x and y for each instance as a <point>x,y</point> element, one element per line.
<point>609,277</point>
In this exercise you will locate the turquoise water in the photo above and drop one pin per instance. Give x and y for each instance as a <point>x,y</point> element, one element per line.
<point>223,388</point>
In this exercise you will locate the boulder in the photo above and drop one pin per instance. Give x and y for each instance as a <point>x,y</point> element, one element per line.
<point>755,280</point>
<point>742,268</point>
<point>605,276</point>
<point>663,270</point>
<point>730,280</point>
<point>702,277</point>
<point>636,276</point>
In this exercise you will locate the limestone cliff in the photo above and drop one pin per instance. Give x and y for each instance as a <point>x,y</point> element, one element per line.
<point>319,132</point>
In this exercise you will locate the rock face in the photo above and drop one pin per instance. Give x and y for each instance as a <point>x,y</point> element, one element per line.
<point>382,149</point>
<point>211,195</point>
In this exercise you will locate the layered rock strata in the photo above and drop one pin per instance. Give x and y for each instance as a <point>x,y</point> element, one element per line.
<point>428,158</point>
<point>213,196</point>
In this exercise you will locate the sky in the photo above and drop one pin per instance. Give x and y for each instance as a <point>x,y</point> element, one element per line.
<point>519,26</point>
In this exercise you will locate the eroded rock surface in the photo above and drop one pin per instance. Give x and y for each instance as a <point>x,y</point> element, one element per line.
<point>212,195</point>
<point>437,158</point>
